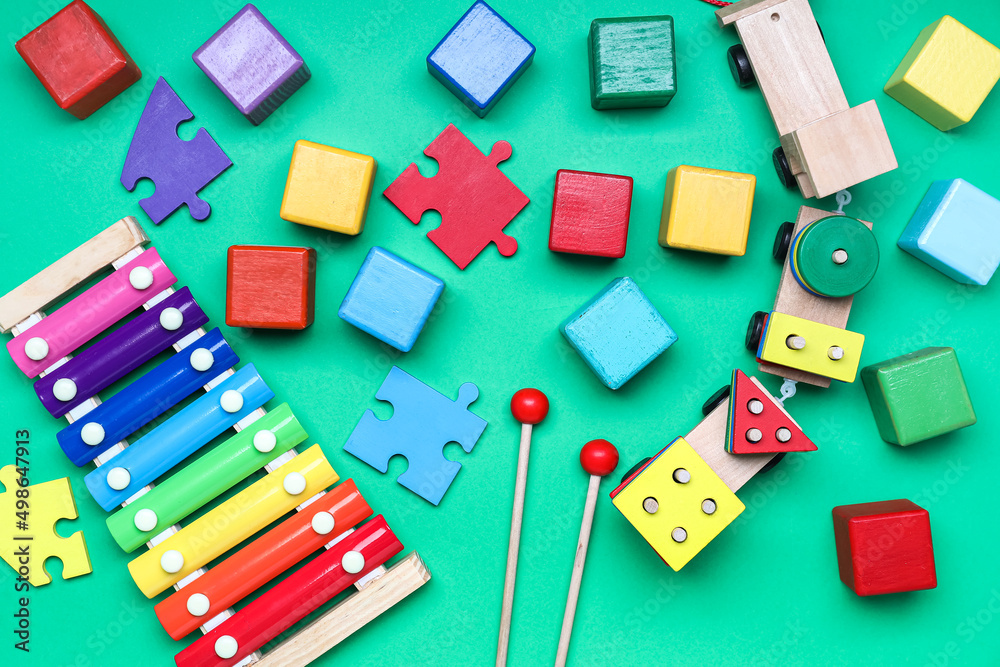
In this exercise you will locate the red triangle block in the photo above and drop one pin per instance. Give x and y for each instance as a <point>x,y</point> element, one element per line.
<point>758,424</point>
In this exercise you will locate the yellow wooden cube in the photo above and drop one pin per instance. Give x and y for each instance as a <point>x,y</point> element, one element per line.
<point>946,74</point>
<point>328,188</point>
<point>678,503</point>
<point>707,210</point>
<point>812,347</point>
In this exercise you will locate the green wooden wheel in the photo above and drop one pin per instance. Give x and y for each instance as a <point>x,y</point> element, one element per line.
<point>835,256</point>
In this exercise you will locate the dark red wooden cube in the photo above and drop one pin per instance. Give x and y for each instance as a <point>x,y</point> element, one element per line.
<point>78,59</point>
<point>590,213</point>
<point>884,547</point>
<point>270,287</point>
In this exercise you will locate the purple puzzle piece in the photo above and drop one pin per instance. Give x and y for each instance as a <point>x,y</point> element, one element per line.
<point>252,64</point>
<point>178,168</point>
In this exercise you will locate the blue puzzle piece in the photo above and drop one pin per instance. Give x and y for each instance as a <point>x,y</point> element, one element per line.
<point>178,168</point>
<point>480,58</point>
<point>391,299</point>
<point>618,332</point>
<point>423,421</point>
<point>956,229</point>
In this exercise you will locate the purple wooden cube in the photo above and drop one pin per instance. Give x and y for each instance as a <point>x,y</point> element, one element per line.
<point>252,64</point>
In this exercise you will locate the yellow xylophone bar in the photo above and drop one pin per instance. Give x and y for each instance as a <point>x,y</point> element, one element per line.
<point>231,522</point>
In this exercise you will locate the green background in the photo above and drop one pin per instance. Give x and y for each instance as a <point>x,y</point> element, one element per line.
<point>766,591</point>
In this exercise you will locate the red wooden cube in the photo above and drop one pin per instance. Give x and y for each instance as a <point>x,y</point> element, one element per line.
<point>270,287</point>
<point>884,547</point>
<point>590,213</point>
<point>78,59</point>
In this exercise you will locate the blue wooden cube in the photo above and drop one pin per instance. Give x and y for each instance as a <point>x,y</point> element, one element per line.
<point>618,332</point>
<point>480,58</point>
<point>391,299</point>
<point>956,229</point>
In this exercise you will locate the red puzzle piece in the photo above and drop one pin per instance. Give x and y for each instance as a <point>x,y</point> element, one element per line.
<point>475,200</point>
<point>884,547</point>
<point>78,59</point>
<point>270,287</point>
<point>590,213</point>
<point>758,424</point>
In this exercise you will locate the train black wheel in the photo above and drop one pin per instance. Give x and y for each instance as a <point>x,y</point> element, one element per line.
<point>715,400</point>
<point>739,65</point>
<point>783,169</point>
<point>755,330</point>
<point>782,241</point>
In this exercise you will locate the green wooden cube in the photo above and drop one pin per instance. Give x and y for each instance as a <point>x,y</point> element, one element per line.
<point>632,62</point>
<point>918,396</point>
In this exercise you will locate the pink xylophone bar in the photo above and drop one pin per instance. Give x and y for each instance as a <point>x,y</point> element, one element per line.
<point>173,319</point>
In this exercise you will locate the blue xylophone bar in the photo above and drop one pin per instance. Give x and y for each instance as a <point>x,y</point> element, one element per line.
<point>147,398</point>
<point>177,438</point>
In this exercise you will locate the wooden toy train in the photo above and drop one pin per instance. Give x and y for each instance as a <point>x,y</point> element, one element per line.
<point>327,518</point>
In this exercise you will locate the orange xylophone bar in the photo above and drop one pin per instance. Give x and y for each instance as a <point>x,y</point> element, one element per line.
<point>296,597</point>
<point>263,559</point>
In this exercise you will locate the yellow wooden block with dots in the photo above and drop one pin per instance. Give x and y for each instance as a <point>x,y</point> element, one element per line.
<point>816,356</point>
<point>946,74</point>
<point>692,504</point>
<point>328,188</point>
<point>707,210</point>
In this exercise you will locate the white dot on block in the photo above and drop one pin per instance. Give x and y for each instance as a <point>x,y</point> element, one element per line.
<point>202,359</point>
<point>172,561</point>
<point>678,535</point>
<point>119,478</point>
<point>231,401</point>
<point>141,278</point>
<point>294,483</point>
<point>198,604</point>
<point>708,506</point>
<point>264,441</point>
<point>323,522</point>
<point>64,390</point>
<point>352,562</point>
<point>226,647</point>
<point>36,349</point>
<point>682,476</point>
<point>171,319</point>
<point>145,520</point>
<point>92,434</point>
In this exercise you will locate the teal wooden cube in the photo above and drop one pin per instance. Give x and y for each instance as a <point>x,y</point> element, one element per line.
<point>956,229</point>
<point>918,396</point>
<point>632,62</point>
<point>618,332</point>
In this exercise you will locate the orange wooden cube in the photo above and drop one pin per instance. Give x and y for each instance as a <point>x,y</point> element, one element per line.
<point>270,287</point>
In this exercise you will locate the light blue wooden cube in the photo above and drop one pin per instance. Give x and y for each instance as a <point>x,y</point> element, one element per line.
<point>618,332</point>
<point>480,58</point>
<point>391,299</point>
<point>956,229</point>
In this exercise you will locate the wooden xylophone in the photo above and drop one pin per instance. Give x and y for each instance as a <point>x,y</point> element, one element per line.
<point>354,553</point>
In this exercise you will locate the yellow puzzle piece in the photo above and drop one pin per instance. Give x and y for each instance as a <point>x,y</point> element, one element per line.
<point>28,516</point>
<point>946,74</point>
<point>678,503</point>
<point>707,210</point>
<point>812,347</point>
<point>328,188</point>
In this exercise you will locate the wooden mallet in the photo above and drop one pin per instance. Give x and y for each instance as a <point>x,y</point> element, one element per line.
<point>599,458</point>
<point>529,406</point>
